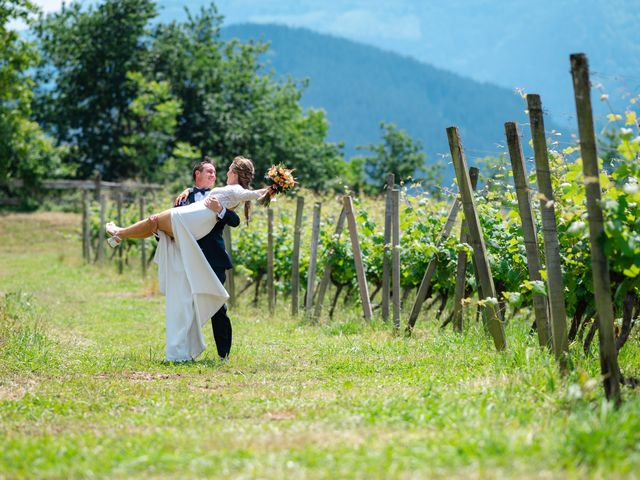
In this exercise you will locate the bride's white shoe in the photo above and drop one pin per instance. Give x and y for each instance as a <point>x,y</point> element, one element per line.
<point>114,240</point>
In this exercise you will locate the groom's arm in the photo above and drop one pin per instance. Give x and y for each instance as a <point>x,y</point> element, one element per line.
<point>225,216</point>
<point>230,218</point>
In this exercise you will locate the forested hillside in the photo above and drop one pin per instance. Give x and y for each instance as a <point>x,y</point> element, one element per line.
<point>512,44</point>
<point>359,86</point>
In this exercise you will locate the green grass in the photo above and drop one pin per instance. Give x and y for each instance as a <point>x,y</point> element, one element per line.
<point>84,390</point>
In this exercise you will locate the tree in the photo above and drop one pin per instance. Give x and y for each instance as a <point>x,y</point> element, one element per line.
<point>26,153</point>
<point>123,95</point>
<point>398,154</point>
<point>154,114</point>
<point>85,93</point>
<point>353,177</point>
<point>231,108</point>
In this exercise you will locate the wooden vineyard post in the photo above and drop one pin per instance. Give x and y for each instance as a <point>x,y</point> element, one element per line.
<point>101,229</point>
<point>357,257</point>
<point>270,261</point>
<point>555,285</point>
<point>540,304</point>
<point>396,258</point>
<point>600,268</point>
<point>86,235</point>
<point>492,321</point>
<point>119,200</point>
<point>313,258</point>
<point>461,277</point>
<point>231,283</point>
<point>143,244</point>
<point>98,186</point>
<point>295,261</point>
<point>461,266</point>
<point>326,276</point>
<point>386,263</point>
<point>431,268</point>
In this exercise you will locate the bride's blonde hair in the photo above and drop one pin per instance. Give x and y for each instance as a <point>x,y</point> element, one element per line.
<point>243,167</point>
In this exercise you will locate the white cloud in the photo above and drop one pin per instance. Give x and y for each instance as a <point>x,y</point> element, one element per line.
<point>46,6</point>
<point>364,23</point>
<point>49,5</point>
<point>315,19</point>
<point>355,24</point>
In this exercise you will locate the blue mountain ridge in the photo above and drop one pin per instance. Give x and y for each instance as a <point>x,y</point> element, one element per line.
<point>359,86</point>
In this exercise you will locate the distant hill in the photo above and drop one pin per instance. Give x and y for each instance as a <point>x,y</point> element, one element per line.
<point>512,44</point>
<point>359,86</point>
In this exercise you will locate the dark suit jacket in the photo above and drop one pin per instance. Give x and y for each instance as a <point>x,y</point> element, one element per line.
<point>212,244</point>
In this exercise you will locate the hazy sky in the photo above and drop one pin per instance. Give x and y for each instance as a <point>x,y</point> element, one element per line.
<point>397,20</point>
<point>45,5</point>
<point>49,5</point>
<point>515,44</point>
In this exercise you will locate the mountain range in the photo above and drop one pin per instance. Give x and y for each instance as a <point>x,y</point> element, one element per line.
<point>515,44</point>
<point>360,86</point>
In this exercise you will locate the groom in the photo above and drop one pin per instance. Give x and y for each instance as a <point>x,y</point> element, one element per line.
<point>212,244</point>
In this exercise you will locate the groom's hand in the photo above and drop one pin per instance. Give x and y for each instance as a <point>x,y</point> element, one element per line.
<point>212,203</point>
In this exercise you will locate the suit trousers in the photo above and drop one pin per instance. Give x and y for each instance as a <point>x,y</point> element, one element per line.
<point>220,321</point>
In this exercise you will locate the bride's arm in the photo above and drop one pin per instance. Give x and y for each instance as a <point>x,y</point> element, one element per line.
<point>248,195</point>
<point>182,197</point>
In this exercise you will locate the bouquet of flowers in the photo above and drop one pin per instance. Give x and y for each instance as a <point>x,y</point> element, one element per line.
<point>280,179</point>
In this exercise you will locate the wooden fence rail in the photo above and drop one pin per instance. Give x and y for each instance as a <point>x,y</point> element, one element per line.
<point>89,185</point>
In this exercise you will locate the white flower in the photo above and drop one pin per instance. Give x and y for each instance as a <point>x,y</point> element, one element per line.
<point>576,227</point>
<point>574,391</point>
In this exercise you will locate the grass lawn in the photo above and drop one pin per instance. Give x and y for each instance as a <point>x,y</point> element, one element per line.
<point>84,390</point>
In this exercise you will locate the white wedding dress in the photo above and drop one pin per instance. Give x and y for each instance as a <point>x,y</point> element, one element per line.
<point>193,291</point>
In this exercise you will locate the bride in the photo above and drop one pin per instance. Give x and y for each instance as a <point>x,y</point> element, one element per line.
<point>197,218</point>
<point>193,291</point>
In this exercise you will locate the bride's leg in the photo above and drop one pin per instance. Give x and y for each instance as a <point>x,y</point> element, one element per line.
<point>164,222</point>
<point>147,227</point>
